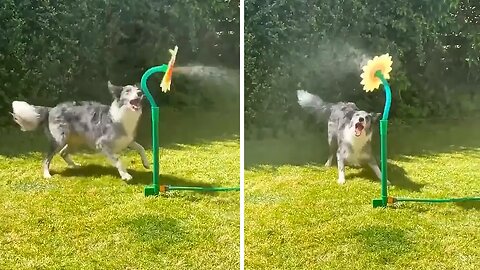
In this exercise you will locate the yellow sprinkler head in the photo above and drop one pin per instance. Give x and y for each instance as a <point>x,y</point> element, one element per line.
<point>167,78</point>
<point>382,63</point>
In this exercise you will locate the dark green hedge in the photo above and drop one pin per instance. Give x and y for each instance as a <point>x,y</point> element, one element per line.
<point>318,45</point>
<point>57,50</point>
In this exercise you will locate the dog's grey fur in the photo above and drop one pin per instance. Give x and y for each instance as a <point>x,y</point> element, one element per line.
<point>351,145</point>
<point>69,125</point>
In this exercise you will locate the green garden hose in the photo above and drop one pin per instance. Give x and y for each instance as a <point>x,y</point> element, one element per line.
<point>463,199</point>
<point>165,188</point>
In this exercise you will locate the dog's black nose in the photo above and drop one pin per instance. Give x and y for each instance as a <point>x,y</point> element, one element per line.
<point>361,119</point>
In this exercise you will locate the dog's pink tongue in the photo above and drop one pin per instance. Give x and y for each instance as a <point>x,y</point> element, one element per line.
<point>135,104</point>
<point>358,129</point>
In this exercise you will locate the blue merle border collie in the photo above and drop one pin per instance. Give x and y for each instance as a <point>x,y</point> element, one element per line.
<point>107,129</point>
<point>349,132</point>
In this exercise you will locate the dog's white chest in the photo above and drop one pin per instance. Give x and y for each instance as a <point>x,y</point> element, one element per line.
<point>128,120</point>
<point>358,145</point>
<point>121,143</point>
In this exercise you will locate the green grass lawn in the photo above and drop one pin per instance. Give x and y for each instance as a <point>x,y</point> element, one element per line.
<point>88,218</point>
<point>298,217</point>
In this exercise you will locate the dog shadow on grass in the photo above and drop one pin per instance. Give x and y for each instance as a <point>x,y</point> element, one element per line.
<point>139,177</point>
<point>388,244</point>
<point>397,175</point>
<point>159,232</point>
<point>469,205</point>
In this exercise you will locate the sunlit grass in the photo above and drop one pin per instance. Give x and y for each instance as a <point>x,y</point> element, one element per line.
<point>298,217</point>
<point>88,218</point>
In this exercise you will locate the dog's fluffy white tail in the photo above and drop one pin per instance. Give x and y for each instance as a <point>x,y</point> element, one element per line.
<point>312,103</point>
<point>25,115</point>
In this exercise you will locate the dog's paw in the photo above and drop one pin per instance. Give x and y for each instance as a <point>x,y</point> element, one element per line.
<point>47,175</point>
<point>126,176</point>
<point>341,181</point>
<point>328,163</point>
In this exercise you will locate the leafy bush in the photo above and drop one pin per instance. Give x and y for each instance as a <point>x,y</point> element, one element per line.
<point>321,45</point>
<point>52,51</point>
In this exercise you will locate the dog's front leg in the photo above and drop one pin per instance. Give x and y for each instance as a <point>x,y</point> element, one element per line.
<point>141,151</point>
<point>373,164</point>
<point>119,165</point>
<point>332,144</point>
<point>66,156</point>
<point>115,161</point>
<point>341,169</point>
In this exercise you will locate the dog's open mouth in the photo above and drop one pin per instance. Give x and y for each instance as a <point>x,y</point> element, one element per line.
<point>358,129</point>
<point>135,104</point>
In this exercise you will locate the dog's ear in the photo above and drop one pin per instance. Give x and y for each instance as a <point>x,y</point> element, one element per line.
<point>115,90</point>
<point>375,117</point>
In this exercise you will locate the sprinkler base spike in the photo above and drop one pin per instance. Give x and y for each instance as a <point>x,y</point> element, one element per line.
<point>149,191</point>
<point>378,203</point>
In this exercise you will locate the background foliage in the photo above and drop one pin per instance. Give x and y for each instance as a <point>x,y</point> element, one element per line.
<point>52,51</point>
<point>319,46</point>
